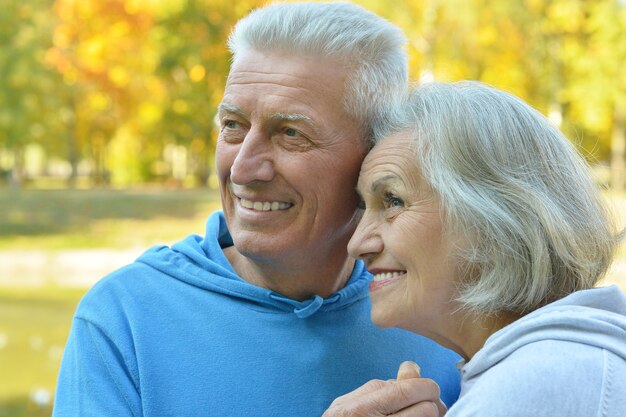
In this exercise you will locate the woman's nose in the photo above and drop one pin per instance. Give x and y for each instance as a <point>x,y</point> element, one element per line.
<point>366,241</point>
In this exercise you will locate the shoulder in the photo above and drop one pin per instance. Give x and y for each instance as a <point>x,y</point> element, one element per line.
<point>117,291</point>
<point>539,365</point>
<point>548,377</point>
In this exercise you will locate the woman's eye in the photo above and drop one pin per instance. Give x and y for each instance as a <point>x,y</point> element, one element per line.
<point>392,201</point>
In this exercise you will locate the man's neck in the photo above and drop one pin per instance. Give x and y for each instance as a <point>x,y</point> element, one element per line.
<point>298,280</point>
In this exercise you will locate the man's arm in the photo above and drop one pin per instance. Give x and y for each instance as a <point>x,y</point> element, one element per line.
<point>94,379</point>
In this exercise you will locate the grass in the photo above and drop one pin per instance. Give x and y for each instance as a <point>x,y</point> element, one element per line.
<point>34,324</point>
<point>78,219</point>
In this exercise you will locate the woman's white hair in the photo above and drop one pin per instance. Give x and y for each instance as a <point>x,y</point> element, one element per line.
<point>369,45</point>
<point>515,191</point>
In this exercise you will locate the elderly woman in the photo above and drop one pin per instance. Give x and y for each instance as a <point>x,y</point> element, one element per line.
<point>485,232</point>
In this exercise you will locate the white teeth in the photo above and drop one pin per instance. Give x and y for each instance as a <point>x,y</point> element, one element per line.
<point>264,205</point>
<point>387,275</point>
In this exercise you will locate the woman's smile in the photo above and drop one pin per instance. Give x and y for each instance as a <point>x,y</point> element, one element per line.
<point>382,278</point>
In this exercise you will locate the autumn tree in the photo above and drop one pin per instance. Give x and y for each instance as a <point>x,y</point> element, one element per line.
<point>132,86</point>
<point>29,91</point>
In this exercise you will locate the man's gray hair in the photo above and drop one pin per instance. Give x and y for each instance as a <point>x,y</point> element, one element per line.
<point>371,47</point>
<point>515,192</point>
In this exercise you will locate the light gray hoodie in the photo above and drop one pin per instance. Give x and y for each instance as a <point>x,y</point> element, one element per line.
<point>565,359</point>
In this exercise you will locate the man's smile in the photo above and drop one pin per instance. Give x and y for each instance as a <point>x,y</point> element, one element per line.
<point>264,205</point>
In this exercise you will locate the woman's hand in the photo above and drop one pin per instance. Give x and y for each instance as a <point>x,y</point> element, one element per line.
<point>408,396</point>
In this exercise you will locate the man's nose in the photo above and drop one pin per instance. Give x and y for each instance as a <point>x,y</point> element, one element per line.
<point>366,241</point>
<point>254,160</point>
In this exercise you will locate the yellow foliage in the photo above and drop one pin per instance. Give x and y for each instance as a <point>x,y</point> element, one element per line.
<point>149,112</point>
<point>98,101</point>
<point>123,150</point>
<point>90,53</point>
<point>197,73</point>
<point>157,8</point>
<point>180,106</point>
<point>119,76</point>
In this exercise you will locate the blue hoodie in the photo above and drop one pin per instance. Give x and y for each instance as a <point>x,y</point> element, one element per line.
<point>565,359</point>
<point>178,333</point>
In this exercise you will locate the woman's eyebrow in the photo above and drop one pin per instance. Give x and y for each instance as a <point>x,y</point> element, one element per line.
<point>382,181</point>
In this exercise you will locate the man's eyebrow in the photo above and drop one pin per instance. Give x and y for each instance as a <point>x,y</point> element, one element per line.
<point>279,116</point>
<point>292,117</point>
<point>230,108</point>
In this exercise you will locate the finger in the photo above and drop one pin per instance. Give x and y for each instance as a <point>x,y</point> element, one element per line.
<point>408,370</point>
<point>402,394</point>
<point>368,387</point>
<point>423,409</point>
<point>441,407</point>
<point>357,402</point>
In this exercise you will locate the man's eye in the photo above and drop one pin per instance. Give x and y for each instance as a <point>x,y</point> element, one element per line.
<point>292,132</point>
<point>230,124</point>
<point>292,140</point>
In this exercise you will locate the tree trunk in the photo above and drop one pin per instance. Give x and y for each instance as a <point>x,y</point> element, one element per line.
<point>72,156</point>
<point>16,173</point>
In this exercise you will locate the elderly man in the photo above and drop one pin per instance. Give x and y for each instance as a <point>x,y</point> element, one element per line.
<point>267,315</point>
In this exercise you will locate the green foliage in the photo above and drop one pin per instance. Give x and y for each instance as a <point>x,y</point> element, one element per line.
<point>28,89</point>
<point>563,56</point>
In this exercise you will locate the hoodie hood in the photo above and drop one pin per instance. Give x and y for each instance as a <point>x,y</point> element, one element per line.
<point>594,317</point>
<point>200,261</point>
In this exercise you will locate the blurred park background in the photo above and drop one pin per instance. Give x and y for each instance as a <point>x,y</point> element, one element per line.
<point>107,131</point>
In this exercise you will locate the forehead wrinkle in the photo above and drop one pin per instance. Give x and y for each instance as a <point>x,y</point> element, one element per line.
<point>285,80</point>
<point>282,77</point>
<point>264,84</point>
